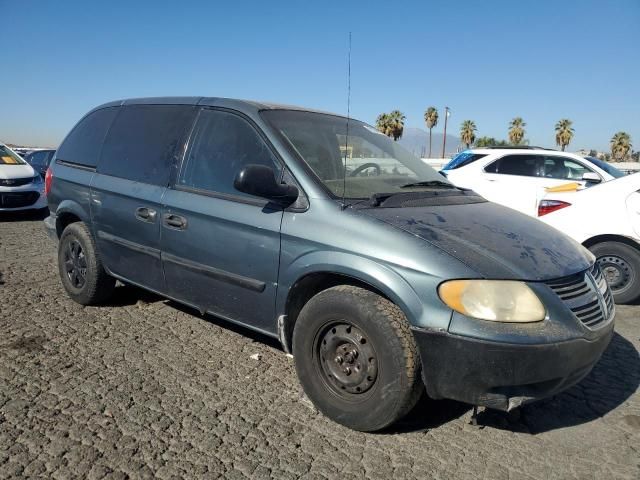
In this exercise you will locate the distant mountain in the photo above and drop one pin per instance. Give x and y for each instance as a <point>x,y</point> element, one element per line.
<point>416,141</point>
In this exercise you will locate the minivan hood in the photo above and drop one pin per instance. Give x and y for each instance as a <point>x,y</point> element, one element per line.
<point>16,171</point>
<point>493,240</point>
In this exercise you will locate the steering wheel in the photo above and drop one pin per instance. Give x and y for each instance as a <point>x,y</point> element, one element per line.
<point>364,166</point>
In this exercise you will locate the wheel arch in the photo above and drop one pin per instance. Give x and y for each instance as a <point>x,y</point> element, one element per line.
<point>590,242</point>
<point>375,278</point>
<point>69,212</point>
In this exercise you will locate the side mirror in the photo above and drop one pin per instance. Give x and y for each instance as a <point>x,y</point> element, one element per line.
<point>260,180</point>
<point>591,177</point>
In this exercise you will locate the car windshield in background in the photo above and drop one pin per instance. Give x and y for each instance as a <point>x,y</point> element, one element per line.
<point>610,169</point>
<point>374,163</point>
<point>462,159</point>
<point>7,157</point>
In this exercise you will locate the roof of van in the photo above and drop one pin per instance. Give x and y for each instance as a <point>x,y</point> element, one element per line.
<point>211,101</point>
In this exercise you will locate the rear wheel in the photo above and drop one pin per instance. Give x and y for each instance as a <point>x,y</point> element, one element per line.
<point>620,265</point>
<point>356,358</point>
<point>81,271</point>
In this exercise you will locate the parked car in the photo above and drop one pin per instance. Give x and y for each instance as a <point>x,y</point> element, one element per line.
<point>517,177</point>
<point>22,151</point>
<point>39,160</point>
<point>379,282</point>
<point>21,187</point>
<point>606,220</point>
<point>615,172</point>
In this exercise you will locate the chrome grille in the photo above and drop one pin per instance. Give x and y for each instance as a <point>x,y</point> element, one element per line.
<point>587,295</point>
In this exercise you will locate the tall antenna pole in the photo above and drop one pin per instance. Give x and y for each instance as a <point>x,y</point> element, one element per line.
<point>346,138</point>
<point>444,139</point>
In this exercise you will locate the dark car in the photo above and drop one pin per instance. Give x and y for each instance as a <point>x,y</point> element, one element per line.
<point>39,160</point>
<point>376,273</point>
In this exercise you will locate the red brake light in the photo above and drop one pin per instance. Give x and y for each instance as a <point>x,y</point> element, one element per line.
<point>47,181</point>
<point>548,206</point>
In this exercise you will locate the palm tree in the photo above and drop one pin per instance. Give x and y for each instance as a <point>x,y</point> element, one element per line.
<point>431,119</point>
<point>468,132</point>
<point>383,124</point>
<point>564,133</point>
<point>490,142</point>
<point>396,122</point>
<point>620,145</point>
<point>516,130</point>
<point>391,124</point>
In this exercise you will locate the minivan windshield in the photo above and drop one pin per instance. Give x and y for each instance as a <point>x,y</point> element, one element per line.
<point>374,163</point>
<point>7,157</point>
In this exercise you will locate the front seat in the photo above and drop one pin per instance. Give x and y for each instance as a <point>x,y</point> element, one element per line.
<point>558,170</point>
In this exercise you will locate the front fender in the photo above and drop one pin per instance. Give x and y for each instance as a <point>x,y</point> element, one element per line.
<point>414,292</point>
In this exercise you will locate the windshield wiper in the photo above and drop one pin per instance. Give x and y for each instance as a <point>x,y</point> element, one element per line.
<point>429,183</point>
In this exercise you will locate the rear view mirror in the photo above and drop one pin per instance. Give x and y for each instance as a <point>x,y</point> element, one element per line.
<point>591,177</point>
<point>260,180</point>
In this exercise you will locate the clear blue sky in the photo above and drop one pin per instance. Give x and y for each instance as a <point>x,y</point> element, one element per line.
<point>488,61</point>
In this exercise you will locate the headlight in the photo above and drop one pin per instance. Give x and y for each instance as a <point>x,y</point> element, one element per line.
<point>495,300</point>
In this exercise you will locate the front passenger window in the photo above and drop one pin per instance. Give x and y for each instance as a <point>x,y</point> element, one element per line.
<point>223,144</point>
<point>564,168</point>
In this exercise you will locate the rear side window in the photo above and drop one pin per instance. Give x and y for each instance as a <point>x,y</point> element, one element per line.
<point>223,144</point>
<point>462,159</point>
<point>143,142</point>
<point>523,165</point>
<point>82,145</point>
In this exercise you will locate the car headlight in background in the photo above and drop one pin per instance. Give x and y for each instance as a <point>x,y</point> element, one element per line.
<point>495,300</point>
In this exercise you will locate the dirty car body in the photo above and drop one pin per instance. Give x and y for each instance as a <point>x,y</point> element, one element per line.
<point>393,226</point>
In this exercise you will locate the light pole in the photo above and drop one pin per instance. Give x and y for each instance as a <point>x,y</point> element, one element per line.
<point>447,112</point>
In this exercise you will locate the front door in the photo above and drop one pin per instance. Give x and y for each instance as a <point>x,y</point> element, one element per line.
<point>221,247</point>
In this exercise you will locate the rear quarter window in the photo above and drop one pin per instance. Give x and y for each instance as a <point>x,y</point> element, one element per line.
<point>143,142</point>
<point>82,145</point>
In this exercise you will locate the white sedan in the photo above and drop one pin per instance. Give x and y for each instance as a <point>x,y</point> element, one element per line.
<point>518,177</point>
<point>605,219</point>
<point>21,187</point>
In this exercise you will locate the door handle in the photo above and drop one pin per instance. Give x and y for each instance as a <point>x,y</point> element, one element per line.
<point>176,222</point>
<point>146,214</point>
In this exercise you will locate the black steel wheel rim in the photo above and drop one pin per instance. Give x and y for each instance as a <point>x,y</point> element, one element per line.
<point>347,359</point>
<point>75,264</point>
<point>617,271</point>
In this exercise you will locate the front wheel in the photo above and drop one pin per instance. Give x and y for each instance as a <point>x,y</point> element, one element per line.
<point>356,358</point>
<point>620,265</point>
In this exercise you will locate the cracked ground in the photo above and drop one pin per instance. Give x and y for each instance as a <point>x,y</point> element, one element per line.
<point>147,388</point>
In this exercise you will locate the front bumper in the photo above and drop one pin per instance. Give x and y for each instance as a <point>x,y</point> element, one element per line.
<point>504,375</point>
<point>24,197</point>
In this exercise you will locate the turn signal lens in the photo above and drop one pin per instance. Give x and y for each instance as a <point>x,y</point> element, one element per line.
<point>548,206</point>
<point>494,300</point>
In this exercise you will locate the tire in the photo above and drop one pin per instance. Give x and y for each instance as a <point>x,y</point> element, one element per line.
<point>620,264</point>
<point>77,254</point>
<point>332,326</point>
